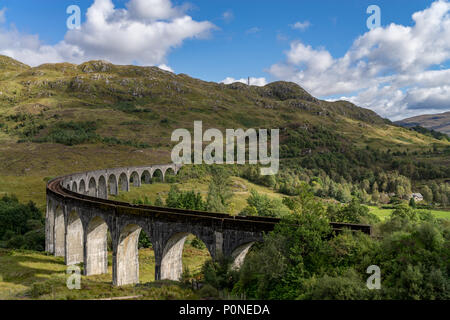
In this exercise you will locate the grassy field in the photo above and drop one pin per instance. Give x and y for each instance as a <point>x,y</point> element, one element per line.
<point>241,191</point>
<point>33,275</point>
<point>385,213</point>
<point>441,214</point>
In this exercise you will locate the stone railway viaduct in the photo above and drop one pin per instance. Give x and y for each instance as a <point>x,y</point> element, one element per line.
<point>79,216</point>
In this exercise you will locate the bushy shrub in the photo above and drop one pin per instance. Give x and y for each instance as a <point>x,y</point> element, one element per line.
<point>40,288</point>
<point>349,286</point>
<point>197,243</point>
<point>208,291</point>
<point>144,241</point>
<point>353,212</point>
<point>184,199</point>
<point>34,240</point>
<point>219,273</point>
<point>264,206</point>
<point>21,226</point>
<point>71,133</point>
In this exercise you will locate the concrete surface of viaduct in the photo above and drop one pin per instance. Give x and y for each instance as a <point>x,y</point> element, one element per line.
<point>79,216</point>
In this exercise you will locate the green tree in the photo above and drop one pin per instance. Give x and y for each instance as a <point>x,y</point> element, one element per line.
<point>159,201</point>
<point>365,185</point>
<point>219,191</point>
<point>353,212</point>
<point>172,200</point>
<point>375,196</point>
<point>292,251</point>
<point>264,206</point>
<point>412,203</point>
<point>184,199</point>
<point>427,194</point>
<point>21,226</point>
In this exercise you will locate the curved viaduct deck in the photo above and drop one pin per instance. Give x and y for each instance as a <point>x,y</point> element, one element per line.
<point>79,216</point>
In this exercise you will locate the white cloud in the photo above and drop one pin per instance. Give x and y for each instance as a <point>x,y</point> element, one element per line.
<point>166,67</point>
<point>314,60</point>
<point>301,25</point>
<point>391,69</point>
<point>2,15</point>
<point>253,81</point>
<point>29,49</point>
<point>434,98</point>
<point>144,33</point>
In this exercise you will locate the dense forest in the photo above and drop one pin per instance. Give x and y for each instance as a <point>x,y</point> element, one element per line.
<point>303,259</point>
<point>343,171</point>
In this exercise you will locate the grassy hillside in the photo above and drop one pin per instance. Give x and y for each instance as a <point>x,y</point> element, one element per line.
<point>144,104</point>
<point>240,187</point>
<point>437,122</point>
<point>62,118</point>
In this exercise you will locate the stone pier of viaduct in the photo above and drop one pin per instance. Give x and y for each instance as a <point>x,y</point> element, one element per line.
<point>79,216</point>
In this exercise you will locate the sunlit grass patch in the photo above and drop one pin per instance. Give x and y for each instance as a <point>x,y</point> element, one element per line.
<point>33,275</point>
<point>240,187</point>
<point>384,214</point>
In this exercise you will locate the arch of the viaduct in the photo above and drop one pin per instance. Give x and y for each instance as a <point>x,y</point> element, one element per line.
<point>79,217</point>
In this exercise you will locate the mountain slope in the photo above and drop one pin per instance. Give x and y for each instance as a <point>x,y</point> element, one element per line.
<point>437,122</point>
<point>126,101</point>
<point>62,118</point>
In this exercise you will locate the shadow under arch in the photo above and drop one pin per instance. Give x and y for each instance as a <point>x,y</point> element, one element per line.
<point>157,176</point>
<point>82,187</point>
<point>134,179</point>
<point>102,188</point>
<point>74,187</point>
<point>147,259</point>
<point>96,247</point>
<point>123,182</point>
<point>169,175</point>
<point>74,241</point>
<point>112,185</point>
<point>146,177</point>
<point>92,187</point>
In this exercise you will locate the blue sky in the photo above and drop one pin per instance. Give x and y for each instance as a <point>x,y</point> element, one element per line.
<point>235,39</point>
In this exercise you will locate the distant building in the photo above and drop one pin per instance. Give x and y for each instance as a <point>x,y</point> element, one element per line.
<point>417,196</point>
